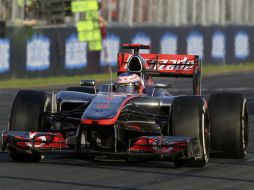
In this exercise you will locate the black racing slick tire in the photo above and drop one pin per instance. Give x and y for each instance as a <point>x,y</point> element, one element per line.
<point>84,89</point>
<point>27,114</point>
<point>229,125</point>
<point>189,118</point>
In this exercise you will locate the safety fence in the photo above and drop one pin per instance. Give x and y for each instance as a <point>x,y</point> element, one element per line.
<point>27,52</point>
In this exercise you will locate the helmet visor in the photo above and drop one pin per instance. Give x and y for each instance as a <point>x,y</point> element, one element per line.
<point>127,88</point>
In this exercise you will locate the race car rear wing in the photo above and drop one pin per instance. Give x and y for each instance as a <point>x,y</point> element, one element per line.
<point>161,65</point>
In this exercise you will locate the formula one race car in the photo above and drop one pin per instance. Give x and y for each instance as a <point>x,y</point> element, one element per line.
<point>133,118</point>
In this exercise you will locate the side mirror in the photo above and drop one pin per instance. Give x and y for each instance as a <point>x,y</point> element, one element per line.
<point>87,83</point>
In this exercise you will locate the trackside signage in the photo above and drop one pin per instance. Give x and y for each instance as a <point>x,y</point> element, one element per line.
<point>4,55</point>
<point>59,51</point>
<point>75,53</point>
<point>38,53</point>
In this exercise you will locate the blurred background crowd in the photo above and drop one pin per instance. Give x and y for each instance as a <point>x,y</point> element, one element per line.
<point>134,12</point>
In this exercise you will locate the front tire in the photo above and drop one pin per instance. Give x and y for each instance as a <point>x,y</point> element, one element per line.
<point>189,118</point>
<point>28,114</point>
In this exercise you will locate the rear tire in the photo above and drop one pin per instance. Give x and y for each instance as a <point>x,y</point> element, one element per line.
<point>27,114</point>
<point>229,125</point>
<point>190,119</point>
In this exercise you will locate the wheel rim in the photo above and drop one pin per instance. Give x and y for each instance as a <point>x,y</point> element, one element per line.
<point>244,129</point>
<point>206,141</point>
<point>207,136</point>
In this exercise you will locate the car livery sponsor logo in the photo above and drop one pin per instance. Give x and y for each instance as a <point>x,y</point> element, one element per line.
<point>169,65</point>
<point>128,79</point>
<point>36,144</point>
<point>172,65</point>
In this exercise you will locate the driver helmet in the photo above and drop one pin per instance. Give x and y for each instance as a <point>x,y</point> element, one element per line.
<point>130,83</point>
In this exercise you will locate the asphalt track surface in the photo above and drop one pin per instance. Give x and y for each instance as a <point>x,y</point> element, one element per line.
<point>64,172</point>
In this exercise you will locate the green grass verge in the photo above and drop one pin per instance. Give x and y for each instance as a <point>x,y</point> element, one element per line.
<point>226,69</point>
<point>52,81</point>
<point>72,80</point>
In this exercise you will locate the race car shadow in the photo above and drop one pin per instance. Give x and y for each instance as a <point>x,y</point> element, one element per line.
<point>166,170</point>
<point>107,162</point>
<point>84,161</point>
<point>139,164</point>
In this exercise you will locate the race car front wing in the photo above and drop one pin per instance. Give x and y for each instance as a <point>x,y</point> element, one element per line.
<point>148,147</point>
